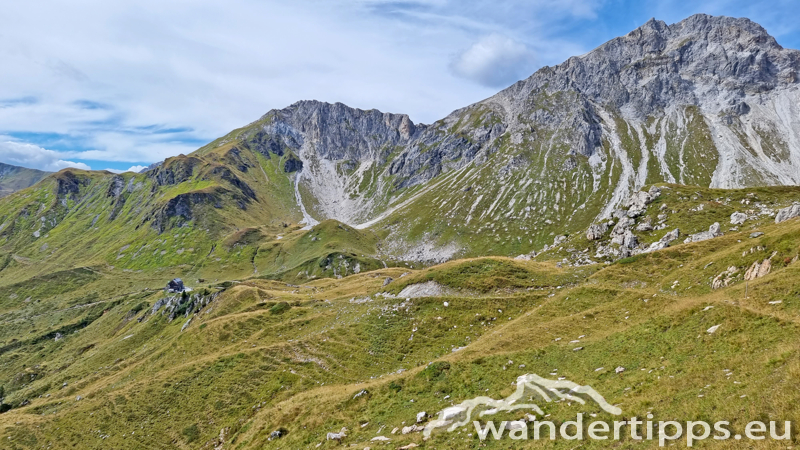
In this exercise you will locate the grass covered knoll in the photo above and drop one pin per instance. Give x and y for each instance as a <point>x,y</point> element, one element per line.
<point>329,249</point>
<point>494,275</point>
<point>265,355</point>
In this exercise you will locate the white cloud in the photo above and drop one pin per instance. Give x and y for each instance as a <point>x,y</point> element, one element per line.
<point>134,169</point>
<point>495,61</point>
<point>35,157</point>
<point>136,82</point>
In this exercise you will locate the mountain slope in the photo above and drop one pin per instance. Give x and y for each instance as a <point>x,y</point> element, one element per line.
<point>241,360</point>
<point>177,215</point>
<point>13,178</point>
<point>709,101</point>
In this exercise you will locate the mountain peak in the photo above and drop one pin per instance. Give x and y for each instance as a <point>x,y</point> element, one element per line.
<point>14,178</point>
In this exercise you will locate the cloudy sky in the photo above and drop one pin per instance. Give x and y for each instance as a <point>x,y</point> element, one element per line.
<point>119,84</point>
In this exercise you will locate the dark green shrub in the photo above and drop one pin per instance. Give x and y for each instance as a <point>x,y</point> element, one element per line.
<point>280,308</point>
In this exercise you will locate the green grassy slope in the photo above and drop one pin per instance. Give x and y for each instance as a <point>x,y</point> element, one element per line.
<point>264,355</point>
<point>175,218</point>
<point>329,249</point>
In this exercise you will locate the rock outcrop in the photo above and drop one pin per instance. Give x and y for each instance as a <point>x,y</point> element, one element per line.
<point>596,232</point>
<point>758,270</point>
<point>665,241</point>
<point>738,218</point>
<point>713,231</point>
<point>788,213</point>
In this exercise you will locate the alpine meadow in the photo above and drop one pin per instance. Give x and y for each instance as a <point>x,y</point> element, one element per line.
<point>626,221</point>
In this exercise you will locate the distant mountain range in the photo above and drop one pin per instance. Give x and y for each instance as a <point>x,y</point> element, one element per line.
<point>13,178</point>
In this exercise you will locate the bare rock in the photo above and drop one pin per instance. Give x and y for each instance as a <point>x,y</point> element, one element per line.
<point>738,218</point>
<point>725,278</point>
<point>758,270</point>
<point>629,240</point>
<point>788,213</point>
<point>713,231</point>
<point>412,429</point>
<point>596,232</point>
<point>664,241</point>
<point>645,225</point>
<point>637,203</point>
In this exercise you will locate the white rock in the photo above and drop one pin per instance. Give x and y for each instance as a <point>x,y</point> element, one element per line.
<point>713,329</point>
<point>619,369</point>
<point>596,232</point>
<point>788,213</point>
<point>738,218</point>
<point>713,231</point>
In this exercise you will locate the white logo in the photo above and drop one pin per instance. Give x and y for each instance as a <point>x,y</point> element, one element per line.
<point>528,386</point>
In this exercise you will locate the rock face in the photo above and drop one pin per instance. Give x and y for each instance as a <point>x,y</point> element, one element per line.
<point>713,231</point>
<point>725,278</point>
<point>596,232</point>
<point>664,241</point>
<point>738,218</point>
<point>637,203</point>
<point>788,213</point>
<point>758,270</point>
<point>645,225</point>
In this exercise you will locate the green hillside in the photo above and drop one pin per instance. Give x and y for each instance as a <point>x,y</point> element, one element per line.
<point>242,359</point>
<point>175,218</point>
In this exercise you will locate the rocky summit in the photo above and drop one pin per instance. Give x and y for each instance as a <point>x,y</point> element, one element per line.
<point>621,230</point>
<point>709,101</point>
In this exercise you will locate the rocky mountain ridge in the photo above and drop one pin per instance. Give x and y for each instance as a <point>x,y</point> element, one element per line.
<point>708,102</point>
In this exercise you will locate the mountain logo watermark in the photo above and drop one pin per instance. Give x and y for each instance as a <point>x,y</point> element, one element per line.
<point>529,386</point>
<point>532,387</point>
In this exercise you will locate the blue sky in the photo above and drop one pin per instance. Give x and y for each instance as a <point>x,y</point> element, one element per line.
<point>118,85</point>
